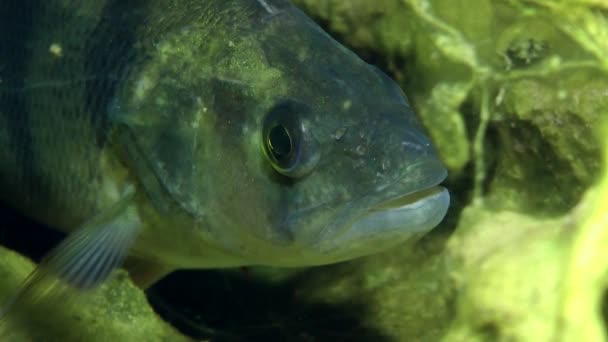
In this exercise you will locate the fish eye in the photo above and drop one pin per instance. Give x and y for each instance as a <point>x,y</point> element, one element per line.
<point>280,144</point>
<point>287,144</point>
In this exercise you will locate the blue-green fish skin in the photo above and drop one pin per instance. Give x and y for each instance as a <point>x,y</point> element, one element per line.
<point>250,136</point>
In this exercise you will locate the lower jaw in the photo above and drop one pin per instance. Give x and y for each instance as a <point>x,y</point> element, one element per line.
<point>418,212</point>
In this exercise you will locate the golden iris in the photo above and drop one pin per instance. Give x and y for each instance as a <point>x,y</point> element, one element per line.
<point>280,145</point>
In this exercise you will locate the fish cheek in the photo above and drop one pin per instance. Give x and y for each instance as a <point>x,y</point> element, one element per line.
<point>244,202</point>
<point>244,199</point>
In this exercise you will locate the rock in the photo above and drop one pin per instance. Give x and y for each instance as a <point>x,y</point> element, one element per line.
<point>118,311</point>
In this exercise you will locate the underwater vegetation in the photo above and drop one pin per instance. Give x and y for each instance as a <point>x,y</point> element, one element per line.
<point>515,97</point>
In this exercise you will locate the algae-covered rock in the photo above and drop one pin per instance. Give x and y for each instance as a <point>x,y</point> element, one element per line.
<point>118,311</point>
<point>525,279</point>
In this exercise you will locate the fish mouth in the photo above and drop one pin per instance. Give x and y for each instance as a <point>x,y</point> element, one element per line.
<point>402,217</point>
<point>406,202</point>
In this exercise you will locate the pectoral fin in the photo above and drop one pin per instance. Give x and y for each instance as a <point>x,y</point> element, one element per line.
<point>82,261</point>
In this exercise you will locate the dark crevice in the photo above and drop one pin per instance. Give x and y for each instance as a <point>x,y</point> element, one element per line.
<point>489,331</point>
<point>26,236</point>
<point>557,190</point>
<point>604,312</point>
<point>232,306</point>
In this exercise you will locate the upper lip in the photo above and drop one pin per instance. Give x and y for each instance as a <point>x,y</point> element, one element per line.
<point>398,192</point>
<point>403,200</point>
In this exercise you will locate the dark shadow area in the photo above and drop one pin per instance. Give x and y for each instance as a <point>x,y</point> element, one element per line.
<point>232,306</point>
<point>523,143</point>
<point>25,236</point>
<point>604,308</point>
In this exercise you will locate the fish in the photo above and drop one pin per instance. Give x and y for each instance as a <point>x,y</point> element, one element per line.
<point>189,134</point>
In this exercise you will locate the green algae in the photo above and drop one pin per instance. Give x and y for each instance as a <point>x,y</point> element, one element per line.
<point>118,311</point>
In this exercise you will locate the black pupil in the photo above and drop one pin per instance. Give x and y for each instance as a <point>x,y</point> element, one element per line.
<point>279,142</point>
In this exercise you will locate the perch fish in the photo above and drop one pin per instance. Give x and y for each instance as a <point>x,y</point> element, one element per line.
<point>190,134</point>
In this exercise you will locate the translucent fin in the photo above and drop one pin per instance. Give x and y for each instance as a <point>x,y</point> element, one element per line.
<point>82,261</point>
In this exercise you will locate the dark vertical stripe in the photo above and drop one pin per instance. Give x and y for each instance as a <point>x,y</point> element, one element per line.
<point>110,52</point>
<point>16,20</point>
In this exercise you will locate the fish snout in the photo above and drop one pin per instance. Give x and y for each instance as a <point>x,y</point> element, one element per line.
<point>388,140</point>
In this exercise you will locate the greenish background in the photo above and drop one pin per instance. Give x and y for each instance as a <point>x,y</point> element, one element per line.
<point>514,95</point>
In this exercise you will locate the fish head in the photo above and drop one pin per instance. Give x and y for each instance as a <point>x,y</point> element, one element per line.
<point>282,145</point>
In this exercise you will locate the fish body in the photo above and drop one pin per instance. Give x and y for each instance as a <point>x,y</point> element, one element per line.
<point>200,134</point>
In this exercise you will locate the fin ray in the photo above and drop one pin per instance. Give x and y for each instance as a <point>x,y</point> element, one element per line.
<point>82,261</point>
